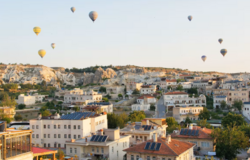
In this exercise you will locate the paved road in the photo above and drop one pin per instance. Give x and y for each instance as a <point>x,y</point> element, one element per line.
<point>161,111</point>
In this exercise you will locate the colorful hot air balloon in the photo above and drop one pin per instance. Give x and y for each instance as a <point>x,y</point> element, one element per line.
<point>73,9</point>
<point>220,40</point>
<point>223,52</point>
<point>37,30</point>
<point>93,15</point>
<point>204,58</point>
<point>53,45</point>
<point>190,18</point>
<point>41,53</point>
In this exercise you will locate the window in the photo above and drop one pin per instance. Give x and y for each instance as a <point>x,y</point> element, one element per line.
<point>69,127</point>
<point>102,150</point>
<point>117,153</point>
<point>33,135</point>
<point>33,126</point>
<point>44,136</point>
<point>54,135</point>
<point>49,145</point>
<point>37,135</point>
<point>148,157</point>
<point>79,127</point>
<point>55,145</point>
<point>69,136</point>
<point>70,150</point>
<point>112,149</point>
<point>59,145</point>
<point>54,126</point>
<point>74,126</point>
<point>75,150</point>
<point>36,126</point>
<point>171,159</point>
<point>93,149</point>
<point>97,149</point>
<point>154,158</point>
<point>44,126</point>
<point>194,143</point>
<point>79,136</point>
<point>163,159</point>
<point>65,135</point>
<point>48,126</point>
<point>59,126</point>
<point>132,157</point>
<point>59,136</point>
<point>137,157</point>
<point>65,126</point>
<point>48,135</point>
<point>204,144</point>
<point>74,136</point>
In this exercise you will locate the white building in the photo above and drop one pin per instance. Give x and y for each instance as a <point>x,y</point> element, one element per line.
<point>140,107</point>
<point>148,89</point>
<point>200,85</point>
<point>27,100</point>
<point>181,113</point>
<point>217,101</point>
<point>54,131</point>
<point>186,85</point>
<point>115,90</point>
<point>39,98</point>
<point>109,145</point>
<point>146,99</point>
<point>177,99</point>
<point>78,96</point>
<point>246,110</point>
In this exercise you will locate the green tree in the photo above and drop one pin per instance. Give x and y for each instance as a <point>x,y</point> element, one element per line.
<point>238,104</point>
<point>179,87</point>
<point>187,121</point>
<point>60,154</point>
<point>205,114</point>
<point>229,142</point>
<point>7,119</point>
<point>76,108</point>
<point>105,99</point>
<point>7,101</point>
<point>169,87</point>
<point>46,113</point>
<point>108,96</point>
<point>136,91</point>
<point>103,89</point>
<point>204,123</point>
<point>115,120</point>
<point>223,104</point>
<point>172,125</point>
<point>21,106</point>
<point>136,116</point>
<point>232,119</point>
<point>152,107</point>
<point>120,95</point>
<point>18,117</point>
<point>192,91</point>
<point>246,129</point>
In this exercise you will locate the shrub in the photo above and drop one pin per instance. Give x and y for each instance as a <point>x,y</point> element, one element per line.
<point>21,106</point>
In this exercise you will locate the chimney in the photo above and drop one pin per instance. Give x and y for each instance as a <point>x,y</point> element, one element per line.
<point>168,139</point>
<point>155,137</point>
<point>147,122</point>
<point>191,126</point>
<point>86,140</point>
<point>101,132</point>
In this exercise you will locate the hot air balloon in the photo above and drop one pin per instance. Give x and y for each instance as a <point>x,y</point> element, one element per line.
<point>190,18</point>
<point>223,52</point>
<point>93,15</point>
<point>204,58</point>
<point>220,40</point>
<point>41,53</point>
<point>53,45</point>
<point>73,9</point>
<point>37,30</point>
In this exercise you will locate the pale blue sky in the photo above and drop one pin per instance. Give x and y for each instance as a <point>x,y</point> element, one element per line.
<point>153,33</point>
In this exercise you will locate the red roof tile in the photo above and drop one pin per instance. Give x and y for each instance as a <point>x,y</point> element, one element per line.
<point>37,150</point>
<point>171,93</point>
<point>172,80</point>
<point>145,95</point>
<point>91,107</point>
<point>174,148</point>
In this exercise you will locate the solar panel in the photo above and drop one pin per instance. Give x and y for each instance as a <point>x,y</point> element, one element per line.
<point>193,132</point>
<point>158,146</point>
<point>197,133</point>
<point>96,138</point>
<point>99,139</point>
<point>182,130</point>
<point>93,137</point>
<point>147,145</point>
<point>189,132</point>
<point>149,127</point>
<point>185,132</point>
<point>104,138</point>
<point>137,127</point>
<point>143,126</point>
<point>152,147</point>
<point>146,127</point>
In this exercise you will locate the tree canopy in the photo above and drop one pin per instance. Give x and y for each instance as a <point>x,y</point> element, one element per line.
<point>115,120</point>
<point>233,119</point>
<point>102,89</point>
<point>179,87</point>
<point>136,91</point>
<point>205,114</point>
<point>238,104</point>
<point>21,106</point>
<point>46,113</point>
<point>172,125</point>
<point>229,141</point>
<point>136,116</point>
<point>9,102</point>
<point>223,104</point>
